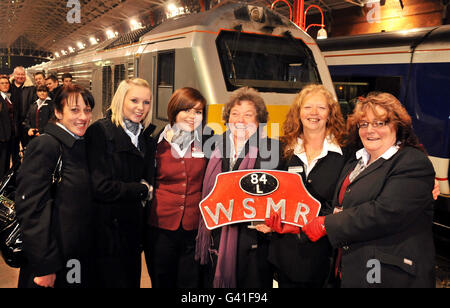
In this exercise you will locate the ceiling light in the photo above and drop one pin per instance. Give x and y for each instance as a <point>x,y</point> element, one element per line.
<point>110,34</point>
<point>322,34</point>
<point>93,41</point>
<point>173,10</point>
<point>80,45</point>
<point>134,24</point>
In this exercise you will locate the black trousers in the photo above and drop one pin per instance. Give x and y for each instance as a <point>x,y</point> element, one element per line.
<point>4,158</point>
<point>170,258</point>
<point>14,149</point>
<point>253,270</point>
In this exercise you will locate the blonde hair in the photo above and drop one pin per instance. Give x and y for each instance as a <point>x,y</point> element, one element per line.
<point>293,127</point>
<point>119,98</point>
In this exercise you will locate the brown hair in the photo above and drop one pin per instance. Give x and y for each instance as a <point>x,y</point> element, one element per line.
<point>395,114</point>
<point>42,88</point>
<point>70,93</point>
<point>4,77</point>
<point>246,94</point>
<point>293,127</point>
<point>184,99</point>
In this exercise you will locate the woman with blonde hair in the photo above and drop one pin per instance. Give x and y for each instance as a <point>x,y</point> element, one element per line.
<point>312,146</point>
<point>121,163</point>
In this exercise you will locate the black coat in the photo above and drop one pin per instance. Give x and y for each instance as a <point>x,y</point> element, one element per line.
<point>387,216</point>
<point>45,114</point>
<point>294,256</point>
<point>5,136</point>
<point>5,122</point>
<point>56,226</point>
<point>117,167</point>
<point>23,96</point>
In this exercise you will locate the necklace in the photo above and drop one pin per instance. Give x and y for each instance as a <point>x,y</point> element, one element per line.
<point>311,154</point>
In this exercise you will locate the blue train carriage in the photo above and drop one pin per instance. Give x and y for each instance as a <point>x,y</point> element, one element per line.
<point>216,51</point>
<point>413,65</point>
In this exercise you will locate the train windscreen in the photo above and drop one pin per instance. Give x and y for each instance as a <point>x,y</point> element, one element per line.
<point>267,63</point>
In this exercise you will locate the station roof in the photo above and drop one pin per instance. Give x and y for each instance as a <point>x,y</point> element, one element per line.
<point>46,26</point>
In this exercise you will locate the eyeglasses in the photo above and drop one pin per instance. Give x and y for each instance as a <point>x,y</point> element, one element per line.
<point>375,124</point>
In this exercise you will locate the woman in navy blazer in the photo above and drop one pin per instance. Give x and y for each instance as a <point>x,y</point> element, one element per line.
<point>383,206</point>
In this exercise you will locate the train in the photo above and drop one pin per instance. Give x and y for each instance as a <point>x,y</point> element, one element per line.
<point>216,51</point>
<point>236,44</point>
<point>413,65</point>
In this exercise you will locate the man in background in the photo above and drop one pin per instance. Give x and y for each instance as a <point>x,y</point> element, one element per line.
<point>39,79</point>
<point>53,86</point>
<point>22,93</point>
<point>66,79</point>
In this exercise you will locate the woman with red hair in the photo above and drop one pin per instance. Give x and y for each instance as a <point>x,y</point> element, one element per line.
<point>383,222</point>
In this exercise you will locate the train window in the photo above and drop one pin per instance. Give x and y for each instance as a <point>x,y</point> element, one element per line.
<point>165,83</point>
<point>267,63</point>
<point>349,88</point>
<point>106,88</point>
<point>119,75</point>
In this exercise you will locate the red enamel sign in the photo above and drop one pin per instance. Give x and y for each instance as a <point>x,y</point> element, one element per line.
<point>251,195</point>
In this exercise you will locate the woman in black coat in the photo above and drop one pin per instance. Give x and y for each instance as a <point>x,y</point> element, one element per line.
<point>383,218</point>
<point>55,219</point>
<point>312,142</point>
<point>121,163</point>
<point>39,113</point>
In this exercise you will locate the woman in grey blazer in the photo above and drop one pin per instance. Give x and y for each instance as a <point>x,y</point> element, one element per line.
<point>383,207</point>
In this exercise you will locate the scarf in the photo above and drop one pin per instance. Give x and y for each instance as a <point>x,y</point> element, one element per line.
<point>225,275</point>
<point>131,126</point>
<point>182,138</point>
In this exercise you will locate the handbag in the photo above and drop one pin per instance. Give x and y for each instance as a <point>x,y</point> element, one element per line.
<point>10,241</point>
<point>11,247</point>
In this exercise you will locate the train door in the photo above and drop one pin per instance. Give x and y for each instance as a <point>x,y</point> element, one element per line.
<point>119,75</point>
<point>164,86</point>
<point>106,88</point>
<point>96,89</point>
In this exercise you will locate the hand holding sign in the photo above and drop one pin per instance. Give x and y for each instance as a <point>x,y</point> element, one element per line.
<point>252,195</point>
<point>274,222</point>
